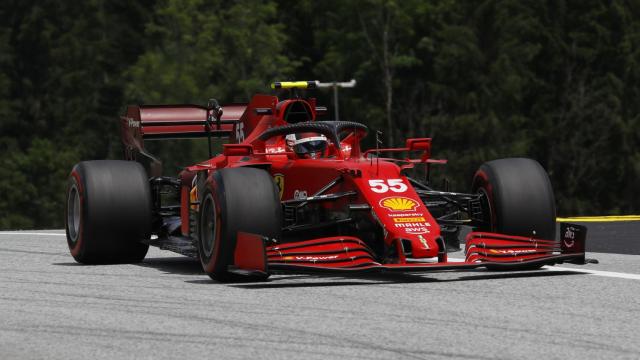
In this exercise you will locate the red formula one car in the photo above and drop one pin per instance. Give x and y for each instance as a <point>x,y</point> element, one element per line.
<point>292,193</point>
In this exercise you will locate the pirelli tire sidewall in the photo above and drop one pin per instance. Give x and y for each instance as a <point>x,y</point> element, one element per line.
<point>214,247</point>
<point>235,199</point>
<point>519,196</point>
<point>74,222</point>
<point>112,215</point>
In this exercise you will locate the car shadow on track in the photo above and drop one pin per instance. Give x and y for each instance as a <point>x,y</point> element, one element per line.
<point>180,265</point>
<point>392,278</point>
<point>171,265</point>
<point>68,264</point>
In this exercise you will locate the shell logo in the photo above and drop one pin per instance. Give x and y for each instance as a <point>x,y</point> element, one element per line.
<point>398,203</point>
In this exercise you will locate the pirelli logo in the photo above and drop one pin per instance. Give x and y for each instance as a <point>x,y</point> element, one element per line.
<point>408,219</point>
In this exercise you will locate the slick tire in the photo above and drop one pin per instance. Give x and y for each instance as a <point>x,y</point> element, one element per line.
<point>519,197</point>
<point>237,199</point>
<point>108,212</point>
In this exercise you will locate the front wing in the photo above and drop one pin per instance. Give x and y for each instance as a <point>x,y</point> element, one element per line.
<point>346,254</point>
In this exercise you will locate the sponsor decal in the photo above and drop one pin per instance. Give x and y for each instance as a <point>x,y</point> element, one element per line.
<point>300,194</point>
<point>311,257</point>
<point>132,122</point>
<point>423,241</point>
<point>569,237</point>
<point>512,252</point>
<point>383,186</point>
<point>279,180</point>
<point>408,219</point>
<point>408,225</point>
<point>414,228</point>
<point>397,203</point>
<point>403,214</point>
<point>275,150</point>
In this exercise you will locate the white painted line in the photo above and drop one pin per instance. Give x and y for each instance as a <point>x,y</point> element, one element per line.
<point>596,272</point>
<point>31,233</point>
<point>611,274</point>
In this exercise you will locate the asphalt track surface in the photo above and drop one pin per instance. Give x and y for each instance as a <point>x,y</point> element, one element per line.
<point>166,308</point>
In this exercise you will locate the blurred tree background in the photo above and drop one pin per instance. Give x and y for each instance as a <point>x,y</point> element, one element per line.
<point>557,81</point>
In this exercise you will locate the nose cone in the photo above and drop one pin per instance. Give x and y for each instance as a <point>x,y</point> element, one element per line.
<point>423,247</point>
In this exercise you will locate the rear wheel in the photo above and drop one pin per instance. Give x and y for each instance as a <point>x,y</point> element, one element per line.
<point>237,199</point>
<point>519,198</point>
<point>108,212</point>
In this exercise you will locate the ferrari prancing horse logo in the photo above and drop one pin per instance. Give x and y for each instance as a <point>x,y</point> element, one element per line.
<point>279,180</point>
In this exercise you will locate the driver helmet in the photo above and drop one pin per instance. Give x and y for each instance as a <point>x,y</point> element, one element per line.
<point>307,144</point>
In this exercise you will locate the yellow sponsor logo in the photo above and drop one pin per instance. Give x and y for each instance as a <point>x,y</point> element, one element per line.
<point>193,198</point>
<point>279,180</point>
<point>408,219</point>
<point>398,204</point>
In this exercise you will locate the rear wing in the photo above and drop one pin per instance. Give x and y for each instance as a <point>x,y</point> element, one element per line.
<point>159,122</point>
<point>177,121</point>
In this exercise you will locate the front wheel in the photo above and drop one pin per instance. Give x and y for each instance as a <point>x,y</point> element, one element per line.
<point>235,199</point>
<point>519,198</point>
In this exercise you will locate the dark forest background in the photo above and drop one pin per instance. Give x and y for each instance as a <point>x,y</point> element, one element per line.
<point>557,81</point>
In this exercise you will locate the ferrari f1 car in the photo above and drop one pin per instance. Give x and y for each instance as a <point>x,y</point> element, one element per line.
<point>292,193</point>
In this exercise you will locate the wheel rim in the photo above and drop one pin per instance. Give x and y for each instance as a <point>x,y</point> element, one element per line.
<point>487,201</point>
<point>208,226</point>
<point>73,214</point>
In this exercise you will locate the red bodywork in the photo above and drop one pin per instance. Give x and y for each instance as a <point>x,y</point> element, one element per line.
<point>377,185</point>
